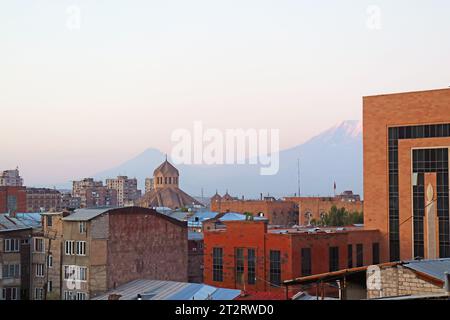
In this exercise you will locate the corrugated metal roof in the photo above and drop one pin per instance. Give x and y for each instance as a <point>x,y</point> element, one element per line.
<point>8,223</point>
<point>433,268</point>
<point>31,219</point>
<point>169,290</point>
<point>195,235</point>
<point>86,214</point>
<point>233,216</point>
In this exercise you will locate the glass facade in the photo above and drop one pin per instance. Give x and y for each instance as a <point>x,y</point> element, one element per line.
<point>431,161</point>
<point>413,132</point>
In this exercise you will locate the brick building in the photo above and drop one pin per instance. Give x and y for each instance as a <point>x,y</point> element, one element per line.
<point>251,255</point>
<point>11,178</point>
<point>406,173</point>
<point>70,202</point>
<point>314,208</point>
<point>278,212</point>
<point>105,248</point>
<point>13,199</point>
<point>43,199</point>
<point>195,257</point>
<point>127,191</point>
<point>93,194</point>
<point>15,240</point>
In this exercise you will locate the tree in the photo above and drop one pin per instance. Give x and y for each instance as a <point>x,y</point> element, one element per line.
<point>341,217</point>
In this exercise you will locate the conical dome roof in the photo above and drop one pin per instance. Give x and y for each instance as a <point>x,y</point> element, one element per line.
<point>166,169</point>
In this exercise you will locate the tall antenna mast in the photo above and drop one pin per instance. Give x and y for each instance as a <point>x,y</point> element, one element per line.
<point>298,172</point>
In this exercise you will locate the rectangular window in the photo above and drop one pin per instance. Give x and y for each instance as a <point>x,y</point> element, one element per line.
<point>39,245</point>
<point>350,256</point>
<point>239,264</point>
<point>306,262</point>
<point>81,296</point>
<point>82,226</point>
<point>275,268</point>
<point>11,204</point>
<point>75,273</point>
<point>334,258</point>
<point>12,245</point>
<point>218,264</point>
<point>81,248</point>
<point>68,295</point>
<point>50,261</point>
<point>11,271</point>
<point>376,253</point>
<point>251,266</point>
<point>40,270</point>
<point>10,293</point>
<point>69,247</point>
<point>49,221</point>
<point>38,294</point>
<point>359,255</point>
<point>49,286</point>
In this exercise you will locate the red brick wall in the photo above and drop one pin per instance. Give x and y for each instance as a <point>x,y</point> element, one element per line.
<point>144,244</point>
<point>318,205</point>
<point>253,234</point>
<point>19,193</point>
<point>278,212</point>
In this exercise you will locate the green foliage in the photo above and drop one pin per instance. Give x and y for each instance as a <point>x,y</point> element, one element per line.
<point>248,216</point>
<point>341,217</point>
<point>184,209</point>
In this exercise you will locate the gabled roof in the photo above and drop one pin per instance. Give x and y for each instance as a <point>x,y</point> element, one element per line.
<point>433,268</point>
<point>8,223</point>
<point>86,214</point>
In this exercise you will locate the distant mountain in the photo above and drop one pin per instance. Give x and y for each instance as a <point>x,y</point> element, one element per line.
<point>334,155</point>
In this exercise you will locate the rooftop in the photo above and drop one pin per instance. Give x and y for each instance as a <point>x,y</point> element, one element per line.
<point>86,214</point>
<point>169,290</point>
<point>8,223</point>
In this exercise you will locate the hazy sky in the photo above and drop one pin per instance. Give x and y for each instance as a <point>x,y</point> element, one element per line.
<point>76,101</point>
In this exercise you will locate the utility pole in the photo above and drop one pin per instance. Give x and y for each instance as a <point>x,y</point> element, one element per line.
<point>298,176</point>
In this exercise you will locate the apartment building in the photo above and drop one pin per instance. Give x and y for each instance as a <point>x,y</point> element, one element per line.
<point>105,248</point>
<point>93,194</point>
<point>126,188</point>
<point>15,242</point>
<point>11,178</point>
<point>43,199</point>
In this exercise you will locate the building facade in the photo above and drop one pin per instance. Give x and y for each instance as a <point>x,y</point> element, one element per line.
<point>15,246</point>
<point>249,255</point>
<point>278,212</point>
<point>127,191</point>
<point>103,249</point>
<point>11,178</point>
<point>314,208</point>
<point>13,199</point>
<point>406,173</point>
<point>43,199</point>
<point>93,194</point>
